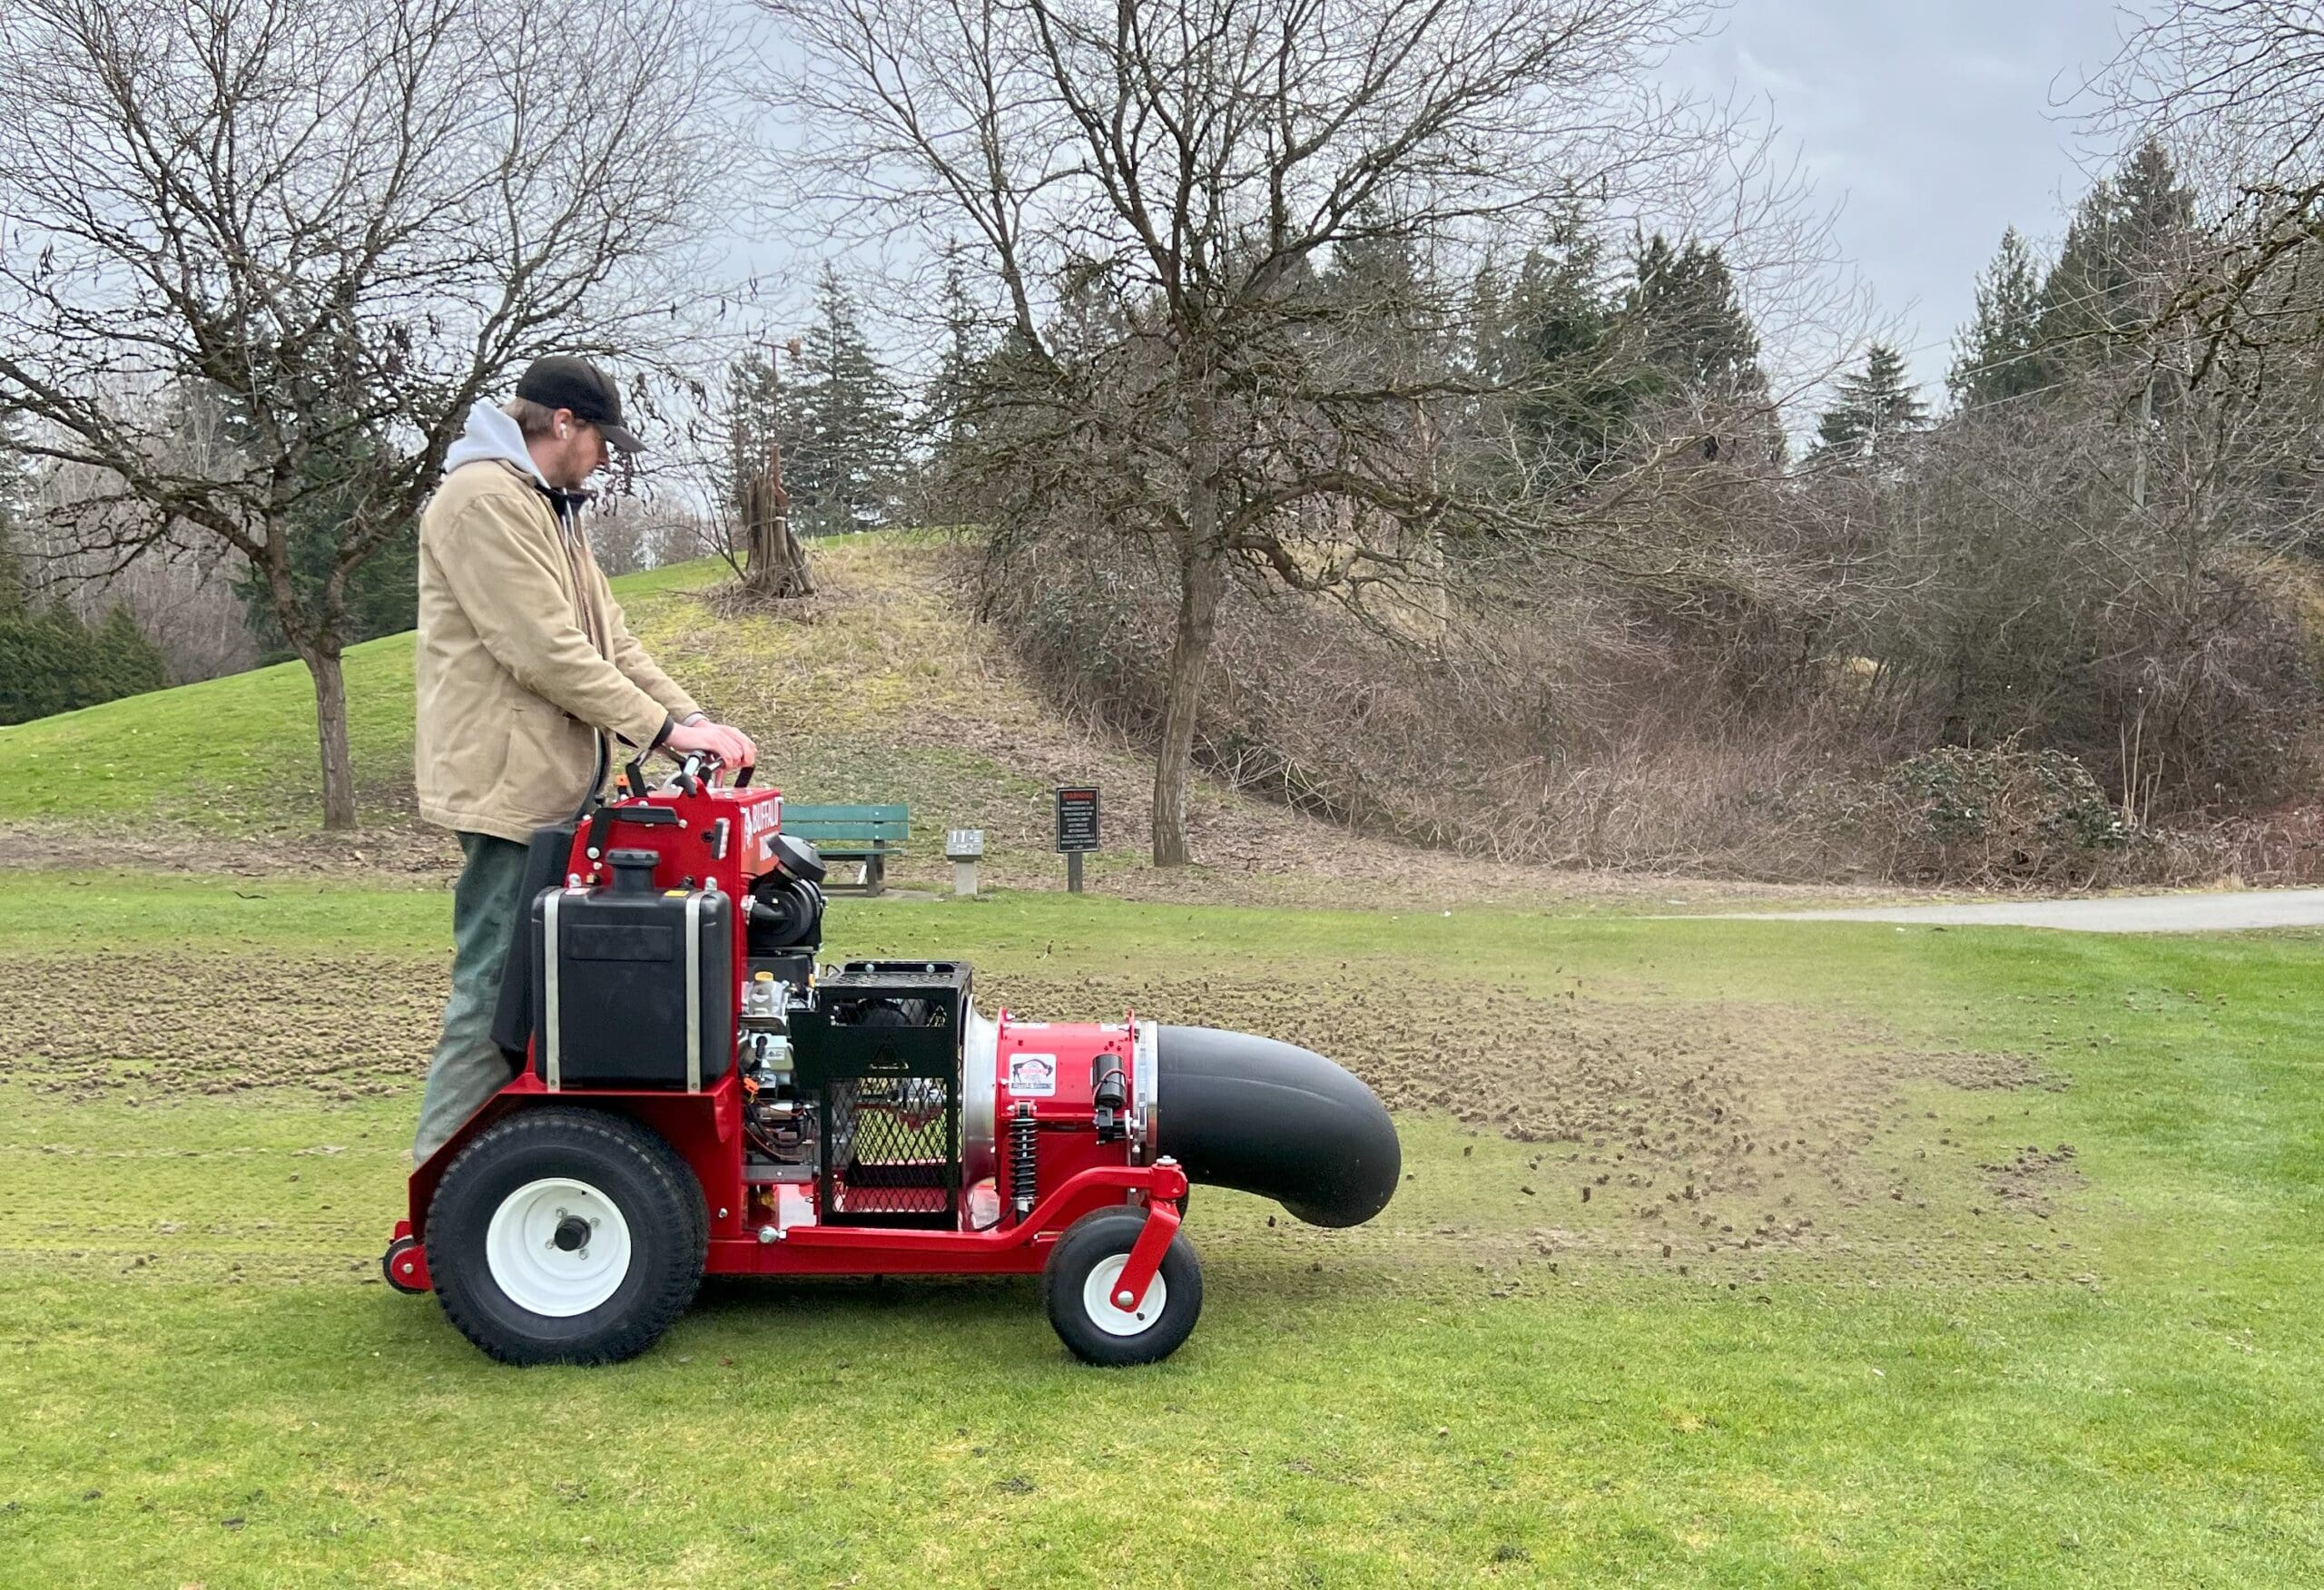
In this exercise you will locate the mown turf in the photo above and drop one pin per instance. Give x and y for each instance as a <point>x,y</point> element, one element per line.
<point>207,1384</point>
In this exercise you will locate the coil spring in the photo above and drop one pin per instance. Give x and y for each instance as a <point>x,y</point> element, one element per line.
<point>1023,1166</point>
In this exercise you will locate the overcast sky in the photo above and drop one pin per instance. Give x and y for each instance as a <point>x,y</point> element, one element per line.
<point>1934,124</point>
<point>1930,124</point>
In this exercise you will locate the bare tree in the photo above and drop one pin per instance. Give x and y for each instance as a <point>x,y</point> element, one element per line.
<point>185,592</point>
<point>743,450</point>
<point>1222,234</point>
<point>649,529</point>
<point>2237,86</point>
<point>337,224</point>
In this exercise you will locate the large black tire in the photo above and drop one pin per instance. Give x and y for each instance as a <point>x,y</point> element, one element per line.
<point>609,1171</point>
<point>1164,1320</point>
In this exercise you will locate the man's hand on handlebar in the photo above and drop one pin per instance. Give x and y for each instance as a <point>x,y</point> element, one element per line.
<point>729,746</point>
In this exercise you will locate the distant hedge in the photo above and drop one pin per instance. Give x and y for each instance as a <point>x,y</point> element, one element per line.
<point>52,663</point>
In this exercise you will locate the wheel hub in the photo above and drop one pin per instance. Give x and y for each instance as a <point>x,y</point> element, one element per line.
<point>557,1247</point>
<point>1097,1294</point>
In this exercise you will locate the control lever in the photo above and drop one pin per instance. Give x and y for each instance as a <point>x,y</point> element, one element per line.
<point>604,817</point>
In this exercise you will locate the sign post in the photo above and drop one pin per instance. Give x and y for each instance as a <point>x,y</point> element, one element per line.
<point>1076,829</point>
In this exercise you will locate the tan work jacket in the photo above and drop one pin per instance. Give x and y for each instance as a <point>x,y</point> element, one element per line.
<point>522,652</point>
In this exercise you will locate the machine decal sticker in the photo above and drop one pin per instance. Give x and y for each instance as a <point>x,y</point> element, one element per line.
<point>760,823</point>
<point>1033,1075</point>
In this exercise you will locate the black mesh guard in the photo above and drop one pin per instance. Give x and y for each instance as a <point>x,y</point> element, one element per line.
<point>892,1151</point>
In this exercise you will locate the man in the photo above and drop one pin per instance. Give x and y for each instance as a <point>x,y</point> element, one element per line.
<point>523,660</point>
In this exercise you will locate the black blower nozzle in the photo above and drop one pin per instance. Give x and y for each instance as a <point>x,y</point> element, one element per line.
<point>1271,1118</point>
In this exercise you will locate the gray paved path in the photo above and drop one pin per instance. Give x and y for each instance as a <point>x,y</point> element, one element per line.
<point>2177,913</point>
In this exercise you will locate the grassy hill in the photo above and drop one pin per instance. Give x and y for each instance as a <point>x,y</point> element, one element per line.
<point>238,753</point>
<point>881,688</point>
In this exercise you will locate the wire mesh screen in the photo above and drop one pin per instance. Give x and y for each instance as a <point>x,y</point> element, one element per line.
<point>891,1150</point>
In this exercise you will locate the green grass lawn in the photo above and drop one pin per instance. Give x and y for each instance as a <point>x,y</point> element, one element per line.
<point>239,752</point>
<point>207,1384</point>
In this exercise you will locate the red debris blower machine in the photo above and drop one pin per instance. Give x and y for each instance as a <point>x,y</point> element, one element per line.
<point>693,1095</point>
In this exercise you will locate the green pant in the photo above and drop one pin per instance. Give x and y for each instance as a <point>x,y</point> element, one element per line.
<point>468,1066</point>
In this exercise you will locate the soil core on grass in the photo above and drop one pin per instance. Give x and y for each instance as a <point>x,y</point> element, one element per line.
<point>1676,1134</point>
<point>1671,1131</point>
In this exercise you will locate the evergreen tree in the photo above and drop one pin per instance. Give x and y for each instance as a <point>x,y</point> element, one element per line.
<point>842,420</point>
<point>130,665</point>
<point>1998,356</point>
<point>1875,410</point>
<point>51,662</point>
<point>1553,342</point>
<point>1693,333</point>
<point>952,397</point>
<point>2112,275</point>
<point>1698,353</point>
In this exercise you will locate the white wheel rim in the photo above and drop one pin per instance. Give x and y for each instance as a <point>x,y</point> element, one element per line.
<point>1097,1300</point>
<point>520,1247</point>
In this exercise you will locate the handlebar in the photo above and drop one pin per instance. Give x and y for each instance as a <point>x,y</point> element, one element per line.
<point>701,766</point>
<point>696,771</point>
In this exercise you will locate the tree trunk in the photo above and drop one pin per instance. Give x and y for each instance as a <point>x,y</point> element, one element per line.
<point>778,562</point>
<point>330,727</point>
<point>1200,582</point>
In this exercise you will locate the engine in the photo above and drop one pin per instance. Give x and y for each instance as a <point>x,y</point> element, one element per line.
<point>881,1087</point>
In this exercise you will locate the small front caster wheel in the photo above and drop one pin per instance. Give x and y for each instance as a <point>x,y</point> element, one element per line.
<point>402,1265</point>
<point>1077,1289</point>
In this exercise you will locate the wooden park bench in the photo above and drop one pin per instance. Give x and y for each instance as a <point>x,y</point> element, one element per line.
<point>864,834</point>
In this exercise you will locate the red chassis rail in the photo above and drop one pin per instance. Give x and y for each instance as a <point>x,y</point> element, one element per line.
<point>704,1129</point>
<point>1017,1249</point>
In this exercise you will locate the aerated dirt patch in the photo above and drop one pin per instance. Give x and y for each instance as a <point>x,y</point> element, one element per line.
<point>1685,1134</point>
<point>346,1025</point>
<point>1693,1136</point>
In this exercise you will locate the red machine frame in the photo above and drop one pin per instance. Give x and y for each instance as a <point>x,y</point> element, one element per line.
<point>722,837</point>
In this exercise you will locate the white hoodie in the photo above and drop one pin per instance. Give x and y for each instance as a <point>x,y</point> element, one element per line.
<point>491,436</point>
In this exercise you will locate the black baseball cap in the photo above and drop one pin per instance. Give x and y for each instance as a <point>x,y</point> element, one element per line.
<point>562,381</point>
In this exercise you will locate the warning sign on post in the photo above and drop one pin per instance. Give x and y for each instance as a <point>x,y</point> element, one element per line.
<point>1076,820</point>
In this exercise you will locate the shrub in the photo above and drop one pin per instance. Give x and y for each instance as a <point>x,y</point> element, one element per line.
<point>1993,815</point>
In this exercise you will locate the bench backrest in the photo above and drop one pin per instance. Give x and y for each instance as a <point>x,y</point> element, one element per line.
<point>847,825</point>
